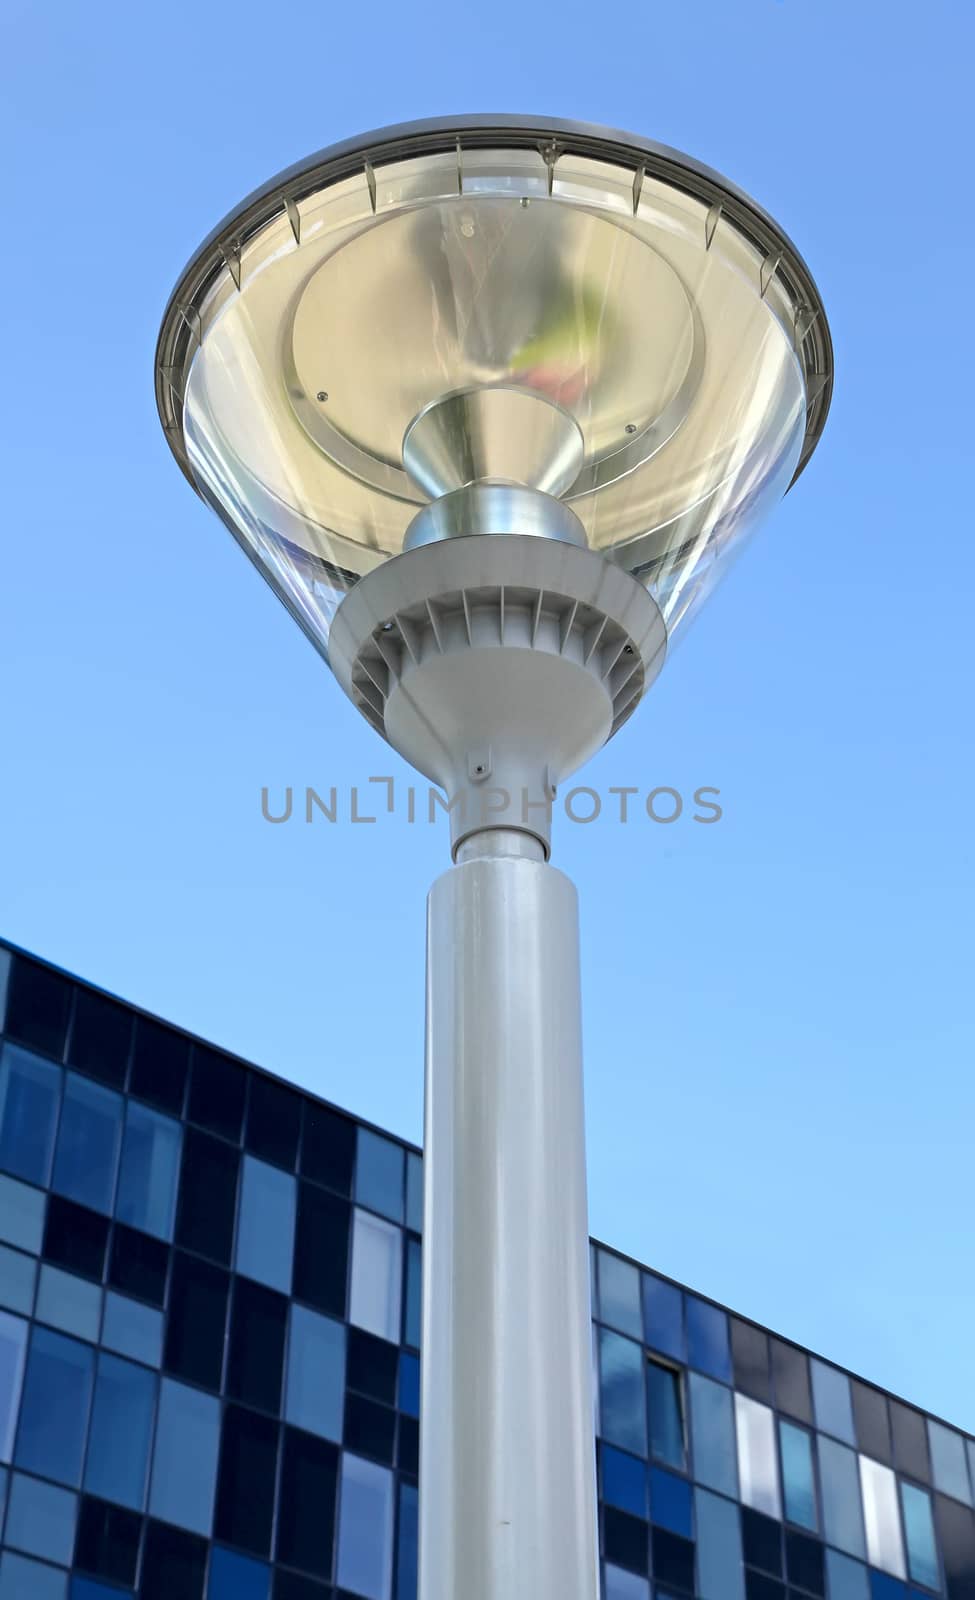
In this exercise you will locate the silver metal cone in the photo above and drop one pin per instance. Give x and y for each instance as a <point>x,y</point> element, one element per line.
<point>493,434</point>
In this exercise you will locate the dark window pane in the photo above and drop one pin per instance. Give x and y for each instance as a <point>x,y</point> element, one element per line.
<point>173,1564</point>
<point>673,1561</point>
<point>758,1586</point>
<point>217,1087</point>
<point>75,1237</point>
<point>89,1137</point>
<point>273,1122</point>
<point>663,1316</point>
<point>707,1339</point>
<point>289,1586</point>
<point>101,1034</point>
<point>245,1482</point>
<point>749,1355</point>
<point>409,1383</point>
<point>306,1516</point>
<point>956,1528</point>
<point>108,1541</point>
<point>328,1148</point>
<point>54,1408</point>
<point>30,1093</point>
<point>910,1441</point>
<point>371,1366</point>
<point>207,1196</point>
<point>804,1563</point>
<point>37,1007</point>
<point>138,1264</point>
<point>255,1355</point>
<point>761,1539</point>
<point>624,1481</point>
<point>408,1447</point>
<point>624,1540</point>
<point>666,1414</point>
<point>790,1377</point>
<point>870,1420</point>
<point>670,1502</point>
<point>369,1428</point>
<point>196,1322</point>
<point>407,1543</point>
<point>160,1063</point>
<point>321,1250</point>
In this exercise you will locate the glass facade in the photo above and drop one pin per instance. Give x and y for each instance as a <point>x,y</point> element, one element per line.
<point>209,1362</point>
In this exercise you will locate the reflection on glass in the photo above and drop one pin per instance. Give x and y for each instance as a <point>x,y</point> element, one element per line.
<point>831,1396</point>
<point>54,1412</point>
<point>948,1461</point>
<point>798,1483</point>
<point>70,1303</point>
<point>377,1271</point>
<point>712,1435</point>
<point>624,1481</point>
<point>847,1580</point>
<point>619,1294</point>
<point>622,1394</point>
<point>842,1517</point>
<point>719,1564</point>
<point>149,1171</point>
<point>881,1518</point>
<point>379,1174</point>
<point>757,1466</point>
<point>266,1227</point>
<point>88,1143</point>
<point>13,1346</point>
<point>184,1458</point>
<point>663,1316</point>
<point>30,1089</point>
<point>407,1543</point>
<point>365,1560</point>
<point>622,1585</point>
<point>922,1554</point>
<point>121,1428</point>
<point>666,1414</point>
<point>707,1339</point>
<point>41,1519</point>
<point>316,1373</point>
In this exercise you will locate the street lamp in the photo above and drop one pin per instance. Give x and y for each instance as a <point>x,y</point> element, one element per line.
<point>489,401</point>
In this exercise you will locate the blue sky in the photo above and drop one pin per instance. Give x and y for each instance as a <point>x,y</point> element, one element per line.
<point>780,1094</point>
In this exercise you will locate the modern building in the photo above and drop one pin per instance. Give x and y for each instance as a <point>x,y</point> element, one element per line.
<point>209,1361</point>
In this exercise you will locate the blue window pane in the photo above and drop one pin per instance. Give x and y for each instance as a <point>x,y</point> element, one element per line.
<point>409,1384</point>
<point>670,1502</point>
<point>18,1274</point>
<point>266,1232</point>
<point>377,1275</point>
<point>24,1579</point>
<point>719,1568</point>
<point>842,1515</point>
<point>797,1476</point>
<point>847,1580</point>
<point>132,1328</point>
<point>184,1460</point>
<point>622,1394</point>
<point>149,1171</point>
<point>922,1555</point>
<point>21,1215</point>
<point>88,1143</point>
<point>13,1348</point>
<point>57,1389</point>
<point>29,1092</point>
<point>365,1561</point>
<point>619,1294</point>
<point>707,1339</point>
<point>41,1519</point>
<point>624,1481</point>
<point>831,1397</point>
<point>413,1307</point>
<point>234,1577</point>
<point>948,1461</point>
<point>88,1589</point>
<point>663,1316</point>
<point>121,1428</point>
<point>316,1373</point>
<point>622,1585</point>
<point>712,1435</point>
<point>414,1192</point>
<point>406,1554</point>
<point>72,1304</point>
<point>379,1175</point>
<point>666,1414</point>
<point>883,1587</point>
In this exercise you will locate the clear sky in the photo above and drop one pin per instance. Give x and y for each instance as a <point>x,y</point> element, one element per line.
<point>778,1008</point>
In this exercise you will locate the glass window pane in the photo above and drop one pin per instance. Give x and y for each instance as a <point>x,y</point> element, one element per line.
<point>750,1359</point>
<point>273,1121</point>
<point>790,1379</point>
<point>666,1414</point>
<point>621,1585</point>
<point>409,1384</point>
<point>720,1575</point>
<point>948,1461</point>
<point>149,1171</point>
<point>881,1519</point>
<point>236,1577</point>
<point>5,960</point>
<point>407,1543</point>
<point>13,1348</point>
<point>414,1191</point>
<point>255,1349</point>
<point>619,1294</point>
<point>922,1554</point>
<point>831,1394</point>
<point>21,1215</point>
<point>797,1476</point>
<point>872,1424</point>
<point>379,1174</point>
<point>328,1148</point>
<point>624,1481</point>
<point>663,1316</point>
<point>101,1034</point>
<point>266,1230</point>
<point>38,1002</point>
<point>138,1264</point>
<point>377,1269</point>
<point>184,1460</point>
<point>365,1529</point>
<point>670,1502</point>
<point>847,1579</point>
<point>197,1322</point>
<point>842,1519</point>
<point>88,1143</point>
<point>622,1393</point>
<point>160,1065</point>
<point>322,1249</point>
<point>41,1519</point>
<point>245,1480</point>
<point>413,1308</point>
<point>24,1579</point>
<point>18,1274</point>
<point>70,1303</point>
<point>707,1339</point>
<point>121,1428</point>
<point>316,1373</point>
<point>30,1089</point>
<point>712,1434</point>
<point>108,1541</point>
<point>173,1564</point>
<point>75,1237</point>
<point>306,1503</point>
<point>207,1196</point>
<point>132,1329</point>
<point>757,1467</point>
<point>218,1085</point>
<point>54,1413</point>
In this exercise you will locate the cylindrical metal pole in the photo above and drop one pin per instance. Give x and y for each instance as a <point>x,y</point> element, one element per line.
<point>507,1472</point>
